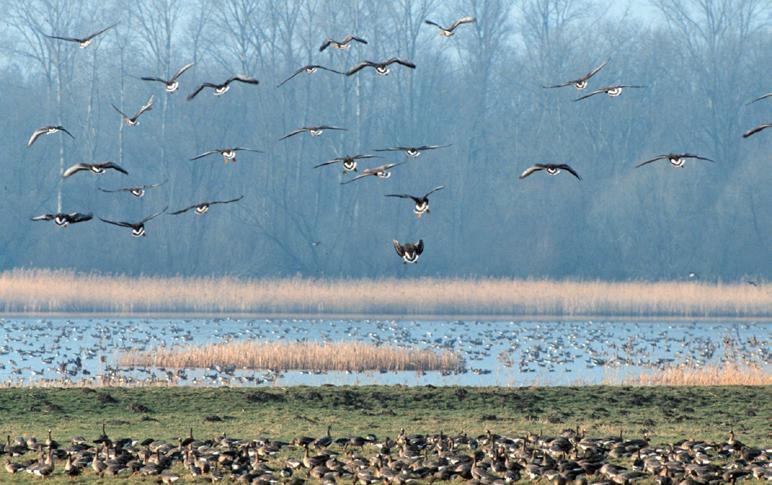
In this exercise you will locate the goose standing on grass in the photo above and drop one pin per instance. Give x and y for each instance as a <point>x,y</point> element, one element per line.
<point>758,129</point>
<point>47,130</point>
<point>550,168</point>
<point>137,228</point>
<point>421,202</point>
<point>311,130</point>
<point>220,89</point>
<point>202,208</point>
<point>677,160</point>
<point>137,191</point>
<point>611,91</point>
<point>382,172</point>
<point>580,83</point>
<point>134,120</point>
<point>341,45</point>
<point>409,252</point>
<point>308,69</point>
<point>349,162</point>
<point>97,168</point>
<point>381,68</point>
<point>228,154</point>
<point>82,41</point>
<point>412,151</point>
<point>170,85</point>
<point>64,220</point>
<point>449,31</point>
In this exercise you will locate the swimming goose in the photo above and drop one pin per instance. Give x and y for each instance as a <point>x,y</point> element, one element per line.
<point>677,160</point>
<point>421,202</point>
<point>349,162</point>
<point>381,68</point>
<point>381,172</point>
<point>82,41</point>
<point>611,91</point>
<point>409,252</point>
<point>228,154</point>
<point>763,96</point>
<point>203,207</point>
<point>580,83</point>
<point>134,120</point>
<point>341,45</point>
<point>449,31</point>
<point>312,130</point>
<point>309,69</point>
<point>137,191</point>
<point>97,168</point>
<point>170,85</point>
<point>46,130</point>
<point>220,89</point>
<point>551,168</point>
<point>758,129</point>
<point>412,151</point>
<point>64,220</point>
<point>137,228</point>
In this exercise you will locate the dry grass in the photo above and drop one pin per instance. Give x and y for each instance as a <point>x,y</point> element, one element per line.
<point>711,375</point>
<point>43,291</point>
<point>314,356</point>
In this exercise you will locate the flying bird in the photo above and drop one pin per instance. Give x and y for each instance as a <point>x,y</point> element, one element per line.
<point>409,252</point>
<point>449,31</point>
<point>220,89</point>
<point>580,83</point>
<point>677,160</point>
<point>46,130</point>
<point>611,91</point>
<point>341,45</point>
<point>312,130</point>
<point>228,154</point>
<point>63,220</point>
<point>309,69</point>
<point>381,172</point>
<point>349,162</point>
<point>83,41</point>
<point>170,85</point>
<point>758,129</point>
<point>421,202</point>
<point>203,207</point>
<point>137,228</point>
<point>134,120</point>
<point>137,191</point>
<point>551,168</point>
<point>381,68</point>
<point>96,168</point>
<point>764,96</point>
<point>413,151</point>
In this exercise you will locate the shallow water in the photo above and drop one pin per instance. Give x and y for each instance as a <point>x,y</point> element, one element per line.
<point>509,353</point>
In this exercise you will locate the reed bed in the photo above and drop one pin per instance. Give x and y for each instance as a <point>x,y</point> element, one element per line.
<point>311,356</point>
<point>45,291</point>
<point>711,375</point>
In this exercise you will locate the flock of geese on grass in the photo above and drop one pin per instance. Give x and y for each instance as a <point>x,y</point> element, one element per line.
<point>408,252</point>
<point>570,457</point>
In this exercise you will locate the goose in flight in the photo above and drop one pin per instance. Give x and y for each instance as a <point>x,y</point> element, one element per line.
<point>580,83</point>
<point>228,154</point>
<point>137,191</point>
<point>341,45</point>
<point>220,89</point>
<point>381,68</point>
<point>421,202</point>
<point>349,162</point>
<point>758,129</point>
<point>170,85</point>
<point>412,151</point>
<point>449,31</point>
<point>82,41</point>
<point>551,168</point>
<point>203,207</point>
<point>64,220</point>
<point>677,160</point>
<point>134,120</point>
<point>311,130</point>
<point>309,69</point>
<point>763,96</point>
<point>46,130</point>
<point>381,172</point>
<point>611,91</point>
<point>409,252</point>
<point>97,168</point>
<point>137,228</point>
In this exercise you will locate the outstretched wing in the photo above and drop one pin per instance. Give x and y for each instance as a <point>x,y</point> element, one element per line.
<point>154,215</point>
<point>205,154</point>
<point>349,38</point>
<point>363,175</point>
<point>292,133</point>
<point>78,167</point>
<point>659,157</point>
<point>461,21</point>
<point>419,247</point>
<point>200,88</point>
<point>588,95</point>
<point>145,107</point>
<point>359,67</point>
<point>150,78</point>
<point>76,217</point>
<point>329,162</point>
<point>182,70</point>
<point>430,22</point>
<point>119,111</point>
<point>43,217</point>
<point>401,62</point>
<point>291,77</point>
<point>593,72</point>
<point>434,190</point>
<point>398,247</point>
<point>242,149</point>
<point>114,166</point>
<point>35,135</point>
<point>100,32</point>
<point>230,201</point>
<point>327,42</point>
<point>68,39</point>
<point>431,147</point>
<point>570,170</point>
<point>242,79</point>
<point>116,223</point>
<point>182,211</point>
<point>697,157</point>
<point>528,171</point>
<point>401,196</point>
<point>753,131</point>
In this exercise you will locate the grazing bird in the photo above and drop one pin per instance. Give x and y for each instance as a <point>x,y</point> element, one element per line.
<point>309,69</point>
<point>137,228</point>
<point>611,91</point>
<point>83,41</point>
<point>220,89</point>
<point>341,45</point>
<point>763,96</point>
<point>312,130</point>
<point>677,160</point>
<point>381,172</point>
<point>580,83</point>
<point>551,168</point>
<point>170,85</point>
<point>64,220</point>
<point>421,202</point>
<point>409,252</point>
<point>413,151</point>
<point>203,207</point>
<point>97,168</point>
<point>46,130</point>
<point>449,31</point>
<point>381,68</point>
<point>758,129</point>
<point>228,154</point>
<point>349,162</point>
<point>137,191</point>
<point>134,120</point>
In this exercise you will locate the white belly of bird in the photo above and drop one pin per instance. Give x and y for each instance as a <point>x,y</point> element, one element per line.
<point>138,232</point>
<point>446,33</point>
<point>221,91</point>
<point>97,170</point>
<point>614,92</point>
<point>553,171</point>
<point>170,88</point>
<point>677,162</point>
<point>383,175</point>
<point>410,257</point>
<point>61,221</point>
<point>132,122</point>
<point>420,209</point>
<point>311,70</point>
<point>229,154</point>
<point>85,43</point>
<point>580,85</point>
<point>202,209</point>
<point>315,132</point>
<point>382,71</point>
<point>138,193</point>
<point>349,166</point>
<point>51,131</point>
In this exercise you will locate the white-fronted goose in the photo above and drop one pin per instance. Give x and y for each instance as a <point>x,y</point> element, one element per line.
<point>203,207</point>
<point>228,154</point>
<point>134,120</point>
<point>137,228</point>
<point>677,160</point>
<point>349,162</point>
<point>64,220</point>
<point>308,69</point>
<point>170,85</point>
<point>412,151</point>
<point>341,45</point>
<point>580,83</point>
<point>46,130</point>
<point>137,191</point>
<point>381,68</point>
<point>220,89</point>
<point>82,41</point>
<point>421,202</point>
<point>611,91</point>
<point>97,168</point>
<point>381,172</point>
<point>311,130</point>
<point>409,252</point>
<point>449,31</point>
<point>763,96</point>
<point>550,168</point>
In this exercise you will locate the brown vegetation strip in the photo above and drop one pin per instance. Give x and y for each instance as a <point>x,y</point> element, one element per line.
<point>710,375</point>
